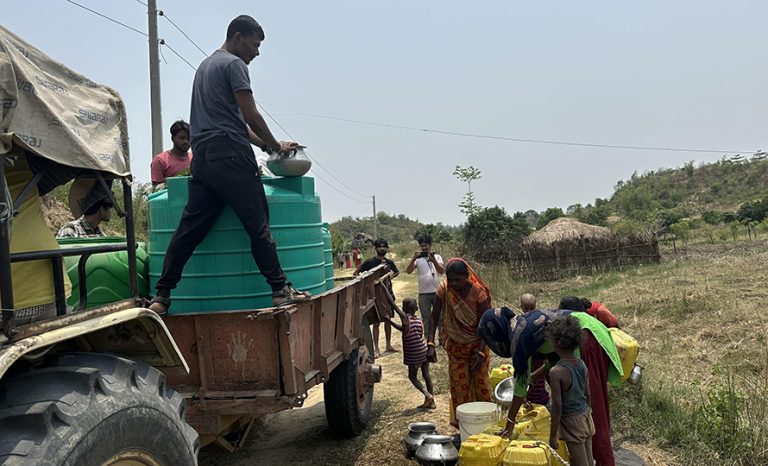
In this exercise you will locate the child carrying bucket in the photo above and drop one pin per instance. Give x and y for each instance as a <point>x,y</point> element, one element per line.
<point>414,347</point>
<point>568,380</point>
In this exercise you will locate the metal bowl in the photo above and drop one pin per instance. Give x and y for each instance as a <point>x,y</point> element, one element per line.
<point>505,391</point>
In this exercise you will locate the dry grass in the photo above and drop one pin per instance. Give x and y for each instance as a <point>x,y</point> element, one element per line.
<point>701,325</point>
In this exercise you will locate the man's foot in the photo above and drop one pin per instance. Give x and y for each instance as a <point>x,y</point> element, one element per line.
<point>160,304</point>
<point>288,295</point>
<point>429,403</point>
<point>376,354</point>
<point>391,349</point>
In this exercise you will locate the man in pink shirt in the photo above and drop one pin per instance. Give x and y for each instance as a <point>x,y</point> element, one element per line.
<point>172,162</point>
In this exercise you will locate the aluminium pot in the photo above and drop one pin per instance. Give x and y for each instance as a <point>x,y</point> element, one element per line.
<point>416,433</point>
<point>437,450</point>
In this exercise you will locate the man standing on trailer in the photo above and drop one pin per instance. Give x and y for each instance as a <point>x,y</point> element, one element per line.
<point>224,122</point>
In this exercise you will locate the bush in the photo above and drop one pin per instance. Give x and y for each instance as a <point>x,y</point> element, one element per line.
<point>711,217</point>
<point>492,234</point>
<point>549,215</point>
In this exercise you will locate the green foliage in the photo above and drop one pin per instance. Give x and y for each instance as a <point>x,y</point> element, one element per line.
<point>682,230</point>
<point>638,203</point>
<point>725,426</point>
<point>712,217</point>
<point>532,217</point>
<point>631,228</point>
<point>439,233</point>
<point>549,215</point>
<point>728,217</point>
<point>492,234</point>
<point>712,187</point>
<point>393,228</point>
<point>754,211</point>
<point>468,206</point>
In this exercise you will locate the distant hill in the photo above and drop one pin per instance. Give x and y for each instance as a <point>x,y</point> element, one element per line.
<point>690,190</point>
<point>393,228</point>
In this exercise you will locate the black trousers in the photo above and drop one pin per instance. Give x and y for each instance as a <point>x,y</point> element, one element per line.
<point>223,173</point>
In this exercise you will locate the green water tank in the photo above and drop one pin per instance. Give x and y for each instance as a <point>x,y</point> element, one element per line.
<point>106,273</point>
<point>328,255</point>
<point>221,275</point>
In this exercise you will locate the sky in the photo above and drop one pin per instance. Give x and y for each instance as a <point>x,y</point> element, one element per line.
<point>683,74</point>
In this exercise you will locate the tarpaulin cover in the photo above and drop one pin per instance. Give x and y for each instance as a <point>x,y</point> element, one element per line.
<point>59,114</point>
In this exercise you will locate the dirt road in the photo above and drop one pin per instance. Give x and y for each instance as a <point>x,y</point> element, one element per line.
<point>300,436</point>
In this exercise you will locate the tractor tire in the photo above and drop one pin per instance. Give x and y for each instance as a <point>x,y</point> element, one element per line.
<point>347,408</point>
<point>93,409</point>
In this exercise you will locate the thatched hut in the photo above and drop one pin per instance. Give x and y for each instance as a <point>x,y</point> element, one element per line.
<point>567,246</point>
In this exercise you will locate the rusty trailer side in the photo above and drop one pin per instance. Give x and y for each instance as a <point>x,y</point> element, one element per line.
<point>254,362</point>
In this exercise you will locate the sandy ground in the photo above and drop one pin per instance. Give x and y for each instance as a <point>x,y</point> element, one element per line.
<point>300,436</point>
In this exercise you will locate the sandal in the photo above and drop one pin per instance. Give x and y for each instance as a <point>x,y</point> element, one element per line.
<point>288,295</point>
<point>160,304</point>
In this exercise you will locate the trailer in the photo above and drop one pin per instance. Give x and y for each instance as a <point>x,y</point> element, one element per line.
<point>119,384</point>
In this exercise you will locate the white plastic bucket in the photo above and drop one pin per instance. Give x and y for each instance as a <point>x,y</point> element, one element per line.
<point>475,418</point>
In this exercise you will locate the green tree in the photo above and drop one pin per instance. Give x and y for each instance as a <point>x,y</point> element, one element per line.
<point>439,233</point>
<point>711,217</point>
<point>468,206</point>
<point>549,215</point>
<point>532,217</point>
<point>491,234</point>
<point>682,230</point>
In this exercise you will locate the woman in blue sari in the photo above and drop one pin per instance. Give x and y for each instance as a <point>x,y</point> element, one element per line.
<point>522,338</point>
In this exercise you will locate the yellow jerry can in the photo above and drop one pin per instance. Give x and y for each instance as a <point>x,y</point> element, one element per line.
<point>627,348</point>
<point>500,373</point>
<point>526,453</point>
<point>532,423</point>
<point>482,450</point>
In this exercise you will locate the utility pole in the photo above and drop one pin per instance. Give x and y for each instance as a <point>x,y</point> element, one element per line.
<point>375,221</point>
<point>154,78</point>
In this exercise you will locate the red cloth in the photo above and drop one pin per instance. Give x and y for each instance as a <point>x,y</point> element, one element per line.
<point>603,314</point>
<point>597,362</point>
<point>165,165</point>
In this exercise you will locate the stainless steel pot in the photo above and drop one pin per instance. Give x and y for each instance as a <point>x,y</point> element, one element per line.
<point>416,433</point>
<point>294,163</point>
<point>437,450</point>
<point>636,375</point>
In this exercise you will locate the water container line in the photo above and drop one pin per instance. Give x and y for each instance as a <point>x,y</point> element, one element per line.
<point>283,226</point>
<point>245,273</point>
<point>247,251</point>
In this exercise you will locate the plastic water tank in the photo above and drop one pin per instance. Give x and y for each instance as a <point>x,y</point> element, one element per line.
<point>221,275</point>
<point>106,274</point>
<point>328,255</point>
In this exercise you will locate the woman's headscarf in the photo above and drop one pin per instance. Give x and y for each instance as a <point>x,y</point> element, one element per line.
<point>460,316</point>
<point>472,276</point>
<point>524,336</point>
<point>495,330</point>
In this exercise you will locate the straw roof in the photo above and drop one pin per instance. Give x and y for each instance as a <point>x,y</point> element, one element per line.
<point>567,229</point>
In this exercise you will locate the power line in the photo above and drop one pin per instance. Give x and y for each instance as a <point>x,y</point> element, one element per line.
<point>143,3</point>
<point>161,13</point>
<point>108,18</point>
<point>505,138</point>
<point>313,160</point>
<point>163,42</point>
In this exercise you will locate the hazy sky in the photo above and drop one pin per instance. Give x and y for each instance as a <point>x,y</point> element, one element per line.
<point>689,74</point>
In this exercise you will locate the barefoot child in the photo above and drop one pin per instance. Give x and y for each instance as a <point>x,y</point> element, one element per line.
<point>568,379</point>
<point>414,348</point>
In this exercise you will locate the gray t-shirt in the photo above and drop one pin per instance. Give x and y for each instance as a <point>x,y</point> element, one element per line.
<point>214,109</point>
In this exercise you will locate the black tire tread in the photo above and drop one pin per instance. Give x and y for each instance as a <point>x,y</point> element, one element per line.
<point>40,406</point>
<point>345,418</point>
